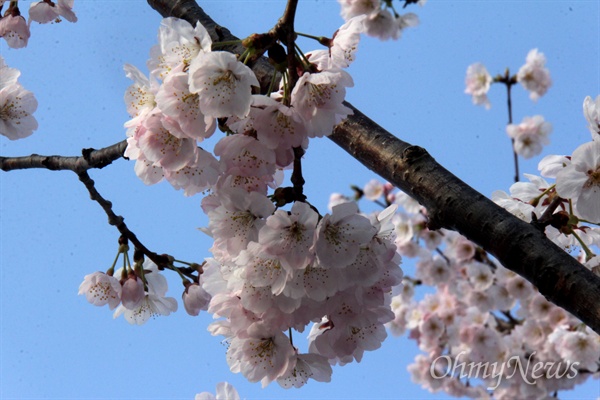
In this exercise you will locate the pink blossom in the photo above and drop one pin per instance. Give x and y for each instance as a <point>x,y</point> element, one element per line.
<point>339,236</point>
<point>478,83</point>
<point>193,178</point>
<point>534,76</point>
<point>262,356</point>
<point>164,147</point>
<point>175,100</point>
<point>16,105</point>
<point>179,43</point>
<point>277,125</point>
<point>591,111</point>
<point>353,8</point>
<point>225,391</point>
<point>290,235</point>
<point>580,181</point>
<point>304,367</point>
<point>133,292</point>
<point>47,11</point>
<point>100,289</point>
<point>14,29</point>
<point>223,84</point>
<point>530,135</point>
<point>195,299</point>
<point>318,98</point>
<point>140,96</point>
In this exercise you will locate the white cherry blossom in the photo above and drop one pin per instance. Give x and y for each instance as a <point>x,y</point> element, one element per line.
<point>534,76</point>
<point>223,84</point>
<point>225,391</point>
<point>179,43</point>
<point>175,100</point>
<point>16,105</point>
<point>15,30</point>
<point>530,135</point>
<point>319,97</point>
<point>478,82</point>
<point>290,235</point>
<point>580,181</point>
<point>340,234</point>
<point>101,289</point>
<point>591,111</point>
<point>47,11</point>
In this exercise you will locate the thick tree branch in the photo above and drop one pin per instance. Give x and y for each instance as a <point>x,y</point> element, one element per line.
<point>450,202</point>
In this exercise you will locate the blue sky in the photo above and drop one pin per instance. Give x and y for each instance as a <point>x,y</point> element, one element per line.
<point>54,345</point>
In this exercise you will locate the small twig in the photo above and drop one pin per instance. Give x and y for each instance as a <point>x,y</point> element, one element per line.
<point>162,261</point>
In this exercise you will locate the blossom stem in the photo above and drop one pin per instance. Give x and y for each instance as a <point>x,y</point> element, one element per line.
<point>301,54</point>
<point>588,253</point>
<point>272,84</point>
<point>306,35</point>
<point>509,82</point>
<point>534,202</point>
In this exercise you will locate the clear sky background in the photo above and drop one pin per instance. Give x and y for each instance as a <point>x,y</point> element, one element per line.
<point>54,345</point>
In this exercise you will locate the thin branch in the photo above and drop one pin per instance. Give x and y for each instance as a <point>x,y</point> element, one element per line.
<point>91,158</point>
<point>162,261</point>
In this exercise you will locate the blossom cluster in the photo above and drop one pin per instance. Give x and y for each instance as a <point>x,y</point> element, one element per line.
<point>380,18</point>
<point>577,188</point>
<point>17,105</point>
<point>190,87</point>
<point>533,76</point>
<point>15,29</point>
<point>274,271</point>
<point>532,133</point>
<point>480,316</point>
<point>138,294</point>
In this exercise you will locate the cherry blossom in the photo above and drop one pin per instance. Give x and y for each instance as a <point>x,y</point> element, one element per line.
<point>591,111</point>
<point>140,96</point>
<point>47,11</point>
<point>344,43</point>
<point>195,299</point>
<point>101,289</point>
<point>14,29</point>
<point>530,135</point>
<point>164,147</point>
<point>175,100</point>
<point>179,43</point>
<point>478,82</point>
<point>225,391</point>
<point>534,76</point>
<point>318,98</point>
<point>384,25</point>
<point>290,235</point>
<point>580,181</point>
<point>132,292</point>
<point>152,302</point>
<point>305,367</point>
<point>340,234</point>
<point>223,84</point>
<point>16,105</point>
<point>353,8</point>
